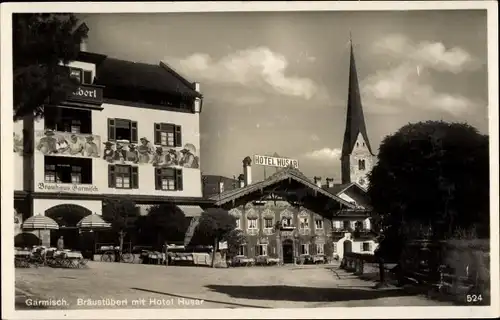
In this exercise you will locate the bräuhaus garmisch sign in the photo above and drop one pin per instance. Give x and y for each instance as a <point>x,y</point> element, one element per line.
<point>275,162</point>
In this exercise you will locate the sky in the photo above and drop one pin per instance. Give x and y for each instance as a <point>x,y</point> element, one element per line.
<point>276,82</point>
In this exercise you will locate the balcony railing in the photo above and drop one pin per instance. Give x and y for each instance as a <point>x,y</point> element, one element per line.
<point>68,144</point>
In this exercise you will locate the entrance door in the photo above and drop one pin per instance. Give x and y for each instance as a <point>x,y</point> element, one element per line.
<point>287,251</point>
<point>347,246</point>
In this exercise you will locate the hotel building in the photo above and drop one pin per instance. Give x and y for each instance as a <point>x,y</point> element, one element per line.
<point>319,218</point>
<point>130,130</point>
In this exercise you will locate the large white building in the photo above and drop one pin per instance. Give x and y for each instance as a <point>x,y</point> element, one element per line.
<point>130,130</point>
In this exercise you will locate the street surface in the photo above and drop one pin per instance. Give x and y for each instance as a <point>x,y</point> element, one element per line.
<point>119,285</point>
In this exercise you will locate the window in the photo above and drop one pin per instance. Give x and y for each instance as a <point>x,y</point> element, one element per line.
<point>363,144</point>
<point>367,246</point>
<point>168,179</point>
<point>268,223</point>
<point>334,247</point>
<point>241,250</point>
<point>122,129</point>
<point>287,222</point>
<point>304,248</point>
<point>357,144</point>
<point>252,223</point>
<point>68,170</point>
<point>319,224</point>
<point>336,225</point>
<point>261,250</point>
<point>320,248</point>
<point>76,74</point>
<point>361,164</point>
<point>167,134</point>
<point>123,177</point>
<point>238,223</point>
<point>347,225</point>
<point>304,223</point>
<point>358,226</point>
<point>68,120</point>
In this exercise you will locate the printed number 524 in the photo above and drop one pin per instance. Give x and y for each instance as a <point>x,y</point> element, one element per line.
<point>474,298</point>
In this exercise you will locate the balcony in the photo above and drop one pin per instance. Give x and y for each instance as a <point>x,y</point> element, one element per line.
<point>67,144</point>
<point>363,234</point>
<point>304,231</point>
<point>86,93</point>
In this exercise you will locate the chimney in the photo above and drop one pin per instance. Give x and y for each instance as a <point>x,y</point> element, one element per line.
<point>196,86</point>
<point>329,182</point>
<point>83,45</point>
<point>247,170</point>
<point>317,181</point>
<point>221,186</point>
<point>241,180</point>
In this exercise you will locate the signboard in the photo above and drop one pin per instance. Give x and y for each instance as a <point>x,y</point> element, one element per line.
<point>275,162</point>
<point>66,187</point>
<point>87,93</point>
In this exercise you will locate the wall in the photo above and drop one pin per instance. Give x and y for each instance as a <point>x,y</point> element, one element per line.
<point>41,205</point>
<point>357,245</point>
<point>18,156</point>
<point>360,152</point>
<point>145,119</point>
<point>276,211</point>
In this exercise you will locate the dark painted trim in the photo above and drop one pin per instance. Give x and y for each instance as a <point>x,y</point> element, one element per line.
<point>142,199</point>
<point>81,105</point>
<point>145,105</point>
<point>20,195</point>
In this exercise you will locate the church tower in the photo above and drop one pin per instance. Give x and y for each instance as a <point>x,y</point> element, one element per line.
<point>357,156</point>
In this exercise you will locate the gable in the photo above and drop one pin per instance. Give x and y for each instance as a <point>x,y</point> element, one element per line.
<point>275,179</point>
<point>355,194</point>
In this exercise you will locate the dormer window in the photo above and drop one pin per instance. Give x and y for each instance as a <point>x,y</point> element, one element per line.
<point>82,76</point>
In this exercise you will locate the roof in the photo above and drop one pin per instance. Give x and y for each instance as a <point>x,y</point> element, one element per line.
<point>342,187</point>
<point>137,75</point>
<point>211,184</point>
<point>287,173</point>
<point>355,122</point>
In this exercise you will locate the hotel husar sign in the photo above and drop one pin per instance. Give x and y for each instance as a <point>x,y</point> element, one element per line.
<point>275,162</point>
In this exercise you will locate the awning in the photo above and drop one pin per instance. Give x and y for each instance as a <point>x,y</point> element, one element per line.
<point>191,211</point>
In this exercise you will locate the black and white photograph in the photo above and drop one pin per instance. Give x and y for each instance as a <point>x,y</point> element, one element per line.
<point>250,160</point>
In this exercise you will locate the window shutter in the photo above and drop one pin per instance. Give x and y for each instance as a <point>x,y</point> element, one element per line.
<point>257,250</point>
<point>157,133</point>
<point>111,176</point>
<point>135,177</point>
<point>369,246</point>
<point>178,136</point>
<point>111,130</point>
<point>158,179</point>
<point>178,179</point>
<point>133,132</point>
<point>87,77</point>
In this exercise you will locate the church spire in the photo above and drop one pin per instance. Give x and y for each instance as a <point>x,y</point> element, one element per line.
<point>355,122</point>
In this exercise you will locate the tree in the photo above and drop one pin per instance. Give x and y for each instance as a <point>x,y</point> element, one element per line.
<point>122,214</point>
<point>431,179</point>
<point>235,239</point>
<point>214,226</point>
<point>164,223</point>
<point>41,42</point>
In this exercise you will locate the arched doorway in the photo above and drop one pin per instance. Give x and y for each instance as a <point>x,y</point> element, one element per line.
<point>288,251</point>
<point>347,246</point>
<point>67,216</point>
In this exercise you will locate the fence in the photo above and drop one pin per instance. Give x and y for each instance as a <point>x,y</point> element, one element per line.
<point>457,268</point>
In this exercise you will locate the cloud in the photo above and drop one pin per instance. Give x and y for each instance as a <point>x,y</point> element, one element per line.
<point>314,137</point>
<point>324,154</point>
<point>253,67</point>
<point>407,83</point>
<point>426,54</point>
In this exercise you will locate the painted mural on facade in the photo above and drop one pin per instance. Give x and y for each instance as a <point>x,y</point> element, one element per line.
<point>51,142</point>
<point>147,153</point>
<point>18,144</point>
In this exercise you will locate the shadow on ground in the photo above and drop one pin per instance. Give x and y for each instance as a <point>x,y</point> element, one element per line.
<point>304,294</point>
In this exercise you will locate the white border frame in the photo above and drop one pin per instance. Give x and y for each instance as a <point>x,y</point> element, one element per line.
<point>143,7</point>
